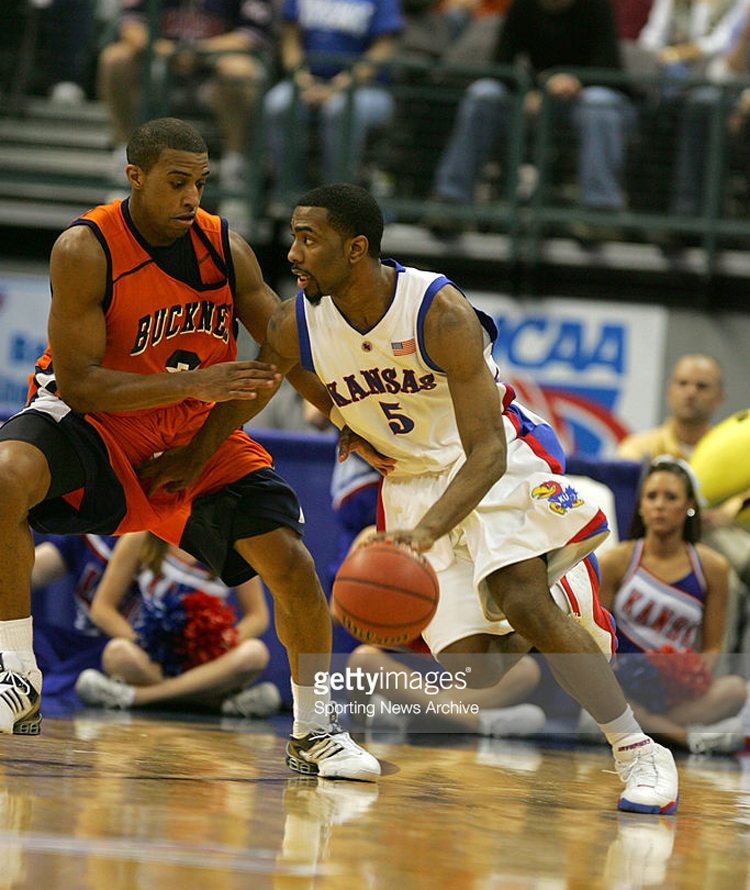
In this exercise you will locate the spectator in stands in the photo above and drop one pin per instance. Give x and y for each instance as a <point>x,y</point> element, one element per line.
<point>178,643</point>
<point>693,395</point>
<point>631,17</point>
<point>329,50</point>
<point>668,594</point>
<point>738,62</point>
<point>692,40</point>
<point>437,36</point>
<point>67,37</point>
<point>553,34</point>
<point>222,46</point>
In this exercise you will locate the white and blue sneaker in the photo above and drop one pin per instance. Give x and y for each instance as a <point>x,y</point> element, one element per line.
<point>19,699</point>
<point>650,776</point>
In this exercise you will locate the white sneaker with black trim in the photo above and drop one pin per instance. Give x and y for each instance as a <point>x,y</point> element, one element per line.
<point>95,688</point>
<point>19,700</point>
<point>331,754</point>
<point>650,776</point>
<point>255,701</point>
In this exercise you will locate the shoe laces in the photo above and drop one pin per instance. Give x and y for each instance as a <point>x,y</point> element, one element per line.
<point>644,764</point>
<point>328,742</point>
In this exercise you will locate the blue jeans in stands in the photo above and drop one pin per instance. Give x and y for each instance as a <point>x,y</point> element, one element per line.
<point>602,117</point>
<point>373,107</point>
<point>700,105</point>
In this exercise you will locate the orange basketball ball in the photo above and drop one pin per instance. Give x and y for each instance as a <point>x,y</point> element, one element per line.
<point>385,593</point>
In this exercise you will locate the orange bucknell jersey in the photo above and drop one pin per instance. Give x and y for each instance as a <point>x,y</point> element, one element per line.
<point>157,323</point>
<point>154,321</point>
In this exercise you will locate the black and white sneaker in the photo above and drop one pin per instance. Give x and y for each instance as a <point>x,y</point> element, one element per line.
<point>19,700</point>
<point>331,754</point>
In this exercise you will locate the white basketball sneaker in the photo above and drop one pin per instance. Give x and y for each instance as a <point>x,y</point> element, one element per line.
<point>650,776</point>
<point>19,699</point>
<point>331,754</point>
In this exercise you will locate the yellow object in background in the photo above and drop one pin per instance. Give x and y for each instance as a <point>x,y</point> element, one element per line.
<point>721,460</point>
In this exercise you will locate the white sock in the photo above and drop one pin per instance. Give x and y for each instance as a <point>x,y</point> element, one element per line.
<point>18,636</point>
<point>623,730</point>
<point>309,709</point>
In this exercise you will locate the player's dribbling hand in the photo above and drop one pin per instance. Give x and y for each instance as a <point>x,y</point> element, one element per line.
<point>233,380</point>
<point>350,441</point>
<point>416,538</point>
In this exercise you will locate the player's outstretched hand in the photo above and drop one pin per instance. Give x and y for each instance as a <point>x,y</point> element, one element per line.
<point>172,470</point>
<point>350,441</point>
<point>233,380</point>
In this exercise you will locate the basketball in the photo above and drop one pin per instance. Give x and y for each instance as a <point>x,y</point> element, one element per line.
<point>385,593</point>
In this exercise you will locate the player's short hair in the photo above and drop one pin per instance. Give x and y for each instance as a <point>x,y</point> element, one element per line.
<point>152,138</point>
<point>352,211</point>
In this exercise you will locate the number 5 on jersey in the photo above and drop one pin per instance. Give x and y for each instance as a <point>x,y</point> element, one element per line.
<point>399,423</point>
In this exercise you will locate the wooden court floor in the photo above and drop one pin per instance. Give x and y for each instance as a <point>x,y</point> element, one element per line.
<point>126,802</point>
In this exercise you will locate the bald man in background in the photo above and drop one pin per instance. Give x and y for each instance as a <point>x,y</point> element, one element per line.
<point>694,393</point>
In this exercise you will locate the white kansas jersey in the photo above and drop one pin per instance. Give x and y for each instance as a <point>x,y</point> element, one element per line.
<point>385,384</point>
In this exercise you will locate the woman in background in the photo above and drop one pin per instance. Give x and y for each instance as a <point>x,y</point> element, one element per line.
<point>182,644</point>
<point>668,594</point>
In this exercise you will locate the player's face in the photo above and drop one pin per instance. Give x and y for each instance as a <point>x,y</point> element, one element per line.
<point>695,390</point>
<point>166,197</point>
<point>664,502</point>
<point>317,254</point>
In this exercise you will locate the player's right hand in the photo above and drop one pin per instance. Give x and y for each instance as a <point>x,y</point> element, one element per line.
<point>233,380</point>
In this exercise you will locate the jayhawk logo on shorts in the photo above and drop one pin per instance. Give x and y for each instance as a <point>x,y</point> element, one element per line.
<point>560,499</point>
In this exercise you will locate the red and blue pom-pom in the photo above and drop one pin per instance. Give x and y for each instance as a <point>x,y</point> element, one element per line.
<point>683,672</point>
<point>662,678</point>
<point>180,631</point>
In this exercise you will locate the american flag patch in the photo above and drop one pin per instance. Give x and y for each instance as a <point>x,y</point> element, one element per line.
<point>404,347</point>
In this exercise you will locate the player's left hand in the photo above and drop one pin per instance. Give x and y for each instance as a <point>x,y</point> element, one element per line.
<point>350,441</point>
<point>172,470</point>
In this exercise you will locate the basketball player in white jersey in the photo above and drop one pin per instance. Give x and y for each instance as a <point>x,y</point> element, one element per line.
<point>472,479</point>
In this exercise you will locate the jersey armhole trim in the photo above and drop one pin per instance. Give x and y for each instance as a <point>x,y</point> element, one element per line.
<point>303,335</point>
<point>107,298</point>
<point>429,296</point>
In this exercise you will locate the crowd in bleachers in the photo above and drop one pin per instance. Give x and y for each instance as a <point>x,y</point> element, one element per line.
<point>466,107</point>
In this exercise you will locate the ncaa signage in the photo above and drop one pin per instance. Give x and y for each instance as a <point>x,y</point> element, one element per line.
<point>24,306</point>
<point>594,370</point>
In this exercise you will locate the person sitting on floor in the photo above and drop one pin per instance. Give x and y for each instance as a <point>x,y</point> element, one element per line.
<point>182,646</point>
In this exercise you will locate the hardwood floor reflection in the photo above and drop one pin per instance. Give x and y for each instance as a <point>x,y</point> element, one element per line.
<point>119,802</point>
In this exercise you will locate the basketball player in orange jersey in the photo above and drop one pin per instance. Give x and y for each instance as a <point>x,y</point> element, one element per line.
<point>146,297</point>
<point>475,478</point>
